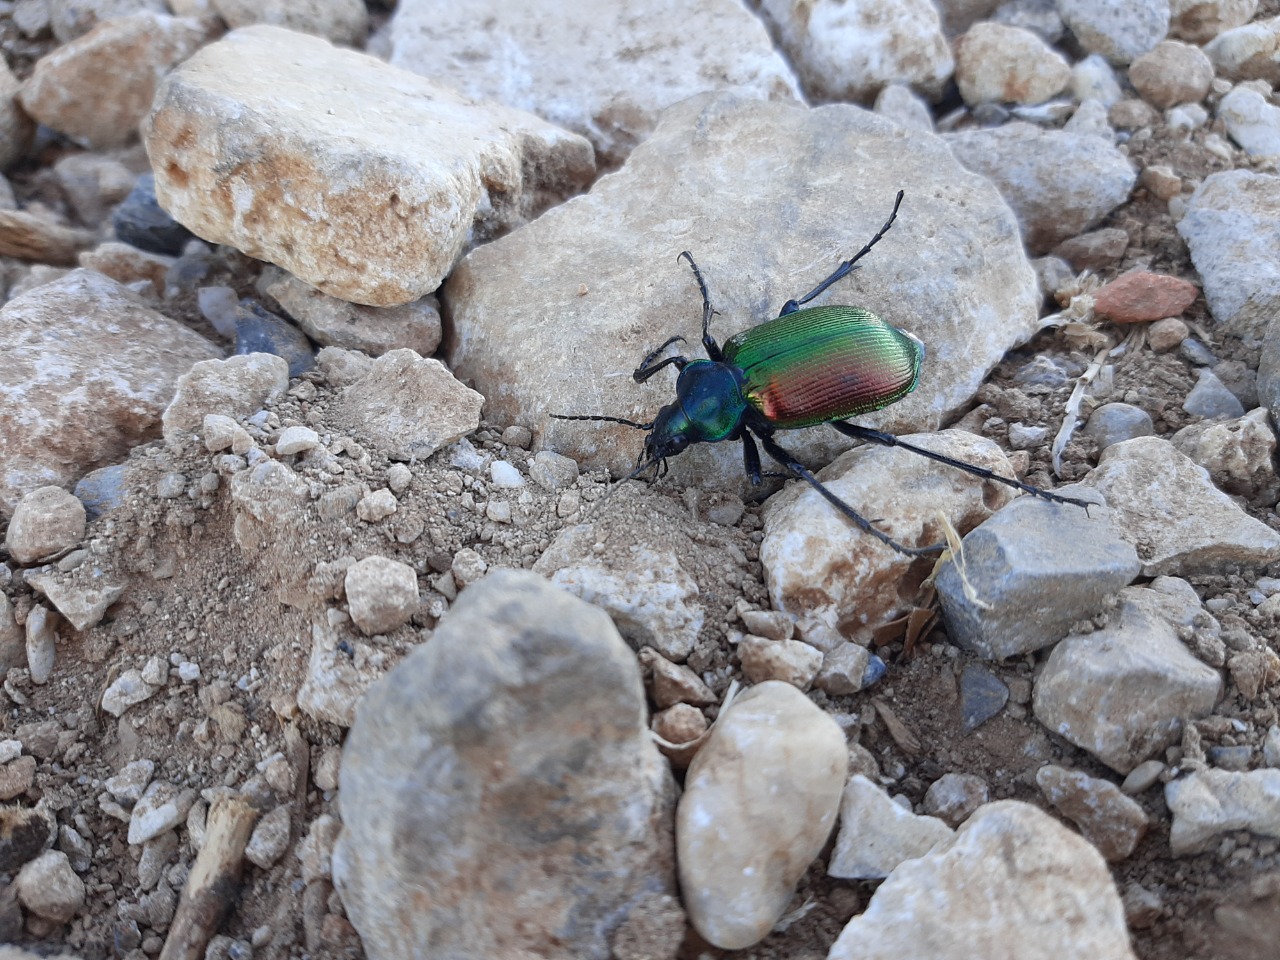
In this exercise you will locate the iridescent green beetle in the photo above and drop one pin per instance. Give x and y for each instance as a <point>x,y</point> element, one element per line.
<point>807,367</point>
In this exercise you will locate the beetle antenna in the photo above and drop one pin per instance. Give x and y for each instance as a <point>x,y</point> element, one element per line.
<point>621,420</point>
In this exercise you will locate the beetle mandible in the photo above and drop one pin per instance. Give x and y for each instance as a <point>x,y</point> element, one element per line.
<point>806,367</point>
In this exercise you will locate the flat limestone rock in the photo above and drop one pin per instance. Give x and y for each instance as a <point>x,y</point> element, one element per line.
<point>768,197</point>
<point>89,369</point>
<point>363,180</point>
<point>603,69</point>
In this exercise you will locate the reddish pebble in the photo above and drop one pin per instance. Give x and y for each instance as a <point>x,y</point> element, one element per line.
<point>1138,296</point>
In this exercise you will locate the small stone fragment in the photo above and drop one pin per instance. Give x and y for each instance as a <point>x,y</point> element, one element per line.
<point>1171,73</point>
<point>237,386</point>
<point>46,522</point>
<point>161,807</point>
<point>1205,803</point>
<point>791,661</point>
<point>876,834</point>
<point>41,643</point>
<point>376,505</point>
<point>1106,817</point>
<point>49,888</point>
<point>126,690</point>
<point>996,63</point>
<point>270,838</point>
<point>982,695</point>
<point>382,594</point>
<point>953,797</point>
<point>1139,296</point>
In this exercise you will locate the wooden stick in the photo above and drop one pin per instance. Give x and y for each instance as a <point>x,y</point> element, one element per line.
<point>211,885</point>
<point>29,237</point>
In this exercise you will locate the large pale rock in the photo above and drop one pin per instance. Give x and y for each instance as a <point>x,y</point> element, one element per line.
<point>1012,885</point>
<point>1232,228</point>
<point>769,198</point>
<point>1121,32</point>
<point>759,803</point>
<point>1237,453</point>
<point>407,406</point>
<point>97,88</point>
<point>1172,73</point>
<point>389,176</point>
<point>47,521</point>
<point>1124,692</point>
<point>1059,184</point>
<point>508,755</point>
<point>1248,52</point>
<point>1000,64</point>
<point>342,21</point>
<point>1206,803</point>
<point>852,49</point>
<point>1251,121</point>
<point>822,569</point>
<point>600,68</point>
<point>1166,505</point>
<point>876,834</point>
<point>89,369</point>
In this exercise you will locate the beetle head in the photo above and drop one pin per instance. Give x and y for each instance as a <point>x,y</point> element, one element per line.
<point>669,436</point>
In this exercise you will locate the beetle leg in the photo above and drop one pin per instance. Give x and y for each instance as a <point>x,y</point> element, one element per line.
<point>842,271</point>
<point>648,368</point>
<point>890,440</point>
<point>708,342</point>
<point>772,448</point>
<point>750,458</point>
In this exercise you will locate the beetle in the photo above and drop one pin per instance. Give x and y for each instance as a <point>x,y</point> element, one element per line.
<point>809,366</point>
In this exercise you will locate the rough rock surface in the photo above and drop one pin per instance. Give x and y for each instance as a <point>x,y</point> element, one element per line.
<point>601,69</point>
<point>391,175</point>
<point>509,754</point>
<point>89,369</point>
<point>594,285</point>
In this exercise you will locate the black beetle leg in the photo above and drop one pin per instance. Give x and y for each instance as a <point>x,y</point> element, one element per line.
<point>648,368</point>
<point>796,467</point>
<point>750,458</point>
<point>624,422</point>
<point>791,306</point>
<point>708,341</point>
<point>890,440</point>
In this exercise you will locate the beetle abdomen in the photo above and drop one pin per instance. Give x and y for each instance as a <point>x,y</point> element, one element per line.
<point>824,363</point>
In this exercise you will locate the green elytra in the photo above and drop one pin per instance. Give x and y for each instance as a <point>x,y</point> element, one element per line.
<point>804,368</point>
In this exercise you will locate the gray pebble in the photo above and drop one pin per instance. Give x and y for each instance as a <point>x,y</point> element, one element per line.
<point>1210,399</point>
<point>1231,758</point>
<point>171,486</point>
<point>1114,423</point>
<point>982,696</point>
<point>1194,351</point>
<point>1023,437</point>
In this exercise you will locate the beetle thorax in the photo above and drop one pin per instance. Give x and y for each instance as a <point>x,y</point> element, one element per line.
<point>709,407</point>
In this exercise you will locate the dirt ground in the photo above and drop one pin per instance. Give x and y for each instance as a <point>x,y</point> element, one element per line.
<point>192,594</point>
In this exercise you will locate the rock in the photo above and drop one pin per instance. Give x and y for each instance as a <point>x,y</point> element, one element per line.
<point>1095,249</point>
<point>92,184</point>
<point>653,601</point>
<point>1106,817</point>
<point>340,669</point>
<point>1209,802</point>
<point>851,50</point>
<point>83,598</point>
<point>24,833</point>
<point>897,103</point>
<point>124,691</point>
<point>16,128</point>
<point>98,87</point>
<point>1091,118</point>
<point>1169,509</point>
<point>1211,399</point>
<point>383,203</point>
<point>982,696</point>
<point>953,797</point>
<point>1139,296</point>
<point>270,839</point>
<point>127,265</point>
<point>876,834</point>
<point>1161,182</point>
<point>1199,21</point>
<point>1094,79</point>
<point>258,330</point>
<point>680,723</point>
<point>1114,423</point>
<point>760,800</point>
<point>295,440</point>
<point>17,777</point>
<point>334,322</point>
<point>673,683</point>
<point>382,594</point>
<point>1171,73</point>
<point>12,637</point>
<point>1247,52</point>
<point>1010,876</point>
<point>407,406</point>
<point>1142,777</point>
<point>140,221</point>
<point>1231,226</point>
<point>341,21</point>
<point>41,643</point>
<point>128,785</point>
<point>1038,16</point>
<point>790,661</point>
<point>1121,32</point>
<point>377,505</point>
<point>602,70</point>
<point>47,522</point>
<point>731,189</point>
<point>236,387</point>
<point>89,368</point>
<point>1167,334</point>
<point>844,670</point>
<point>568,840</point>
<point>161,807</point>
<point>1001,64</point>
<point>1124,692</point>
<point>49,888</point>
<point>1058,184</point>
<point>824,570</point>
<point>1251,121</point>
<point>1028,574</point>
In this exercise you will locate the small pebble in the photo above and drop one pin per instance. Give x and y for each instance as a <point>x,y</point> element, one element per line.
<point>1167,334</point>
<point>171,486</point>
<point>398,478</point>
<point>296,440</point>
<point>982,696</point>
<point>1211,399</point>
<point>377,505</point>
<point>505,475</point>
<point>954,796</point>
<point>1193,351</point>
<point>1141,296</point>
<point>517,436</point>
<point>46,521</point>
<point>468,566</point>
<point>1142,777</point>
<point>1024,437</point>
<point>1114,423</point>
